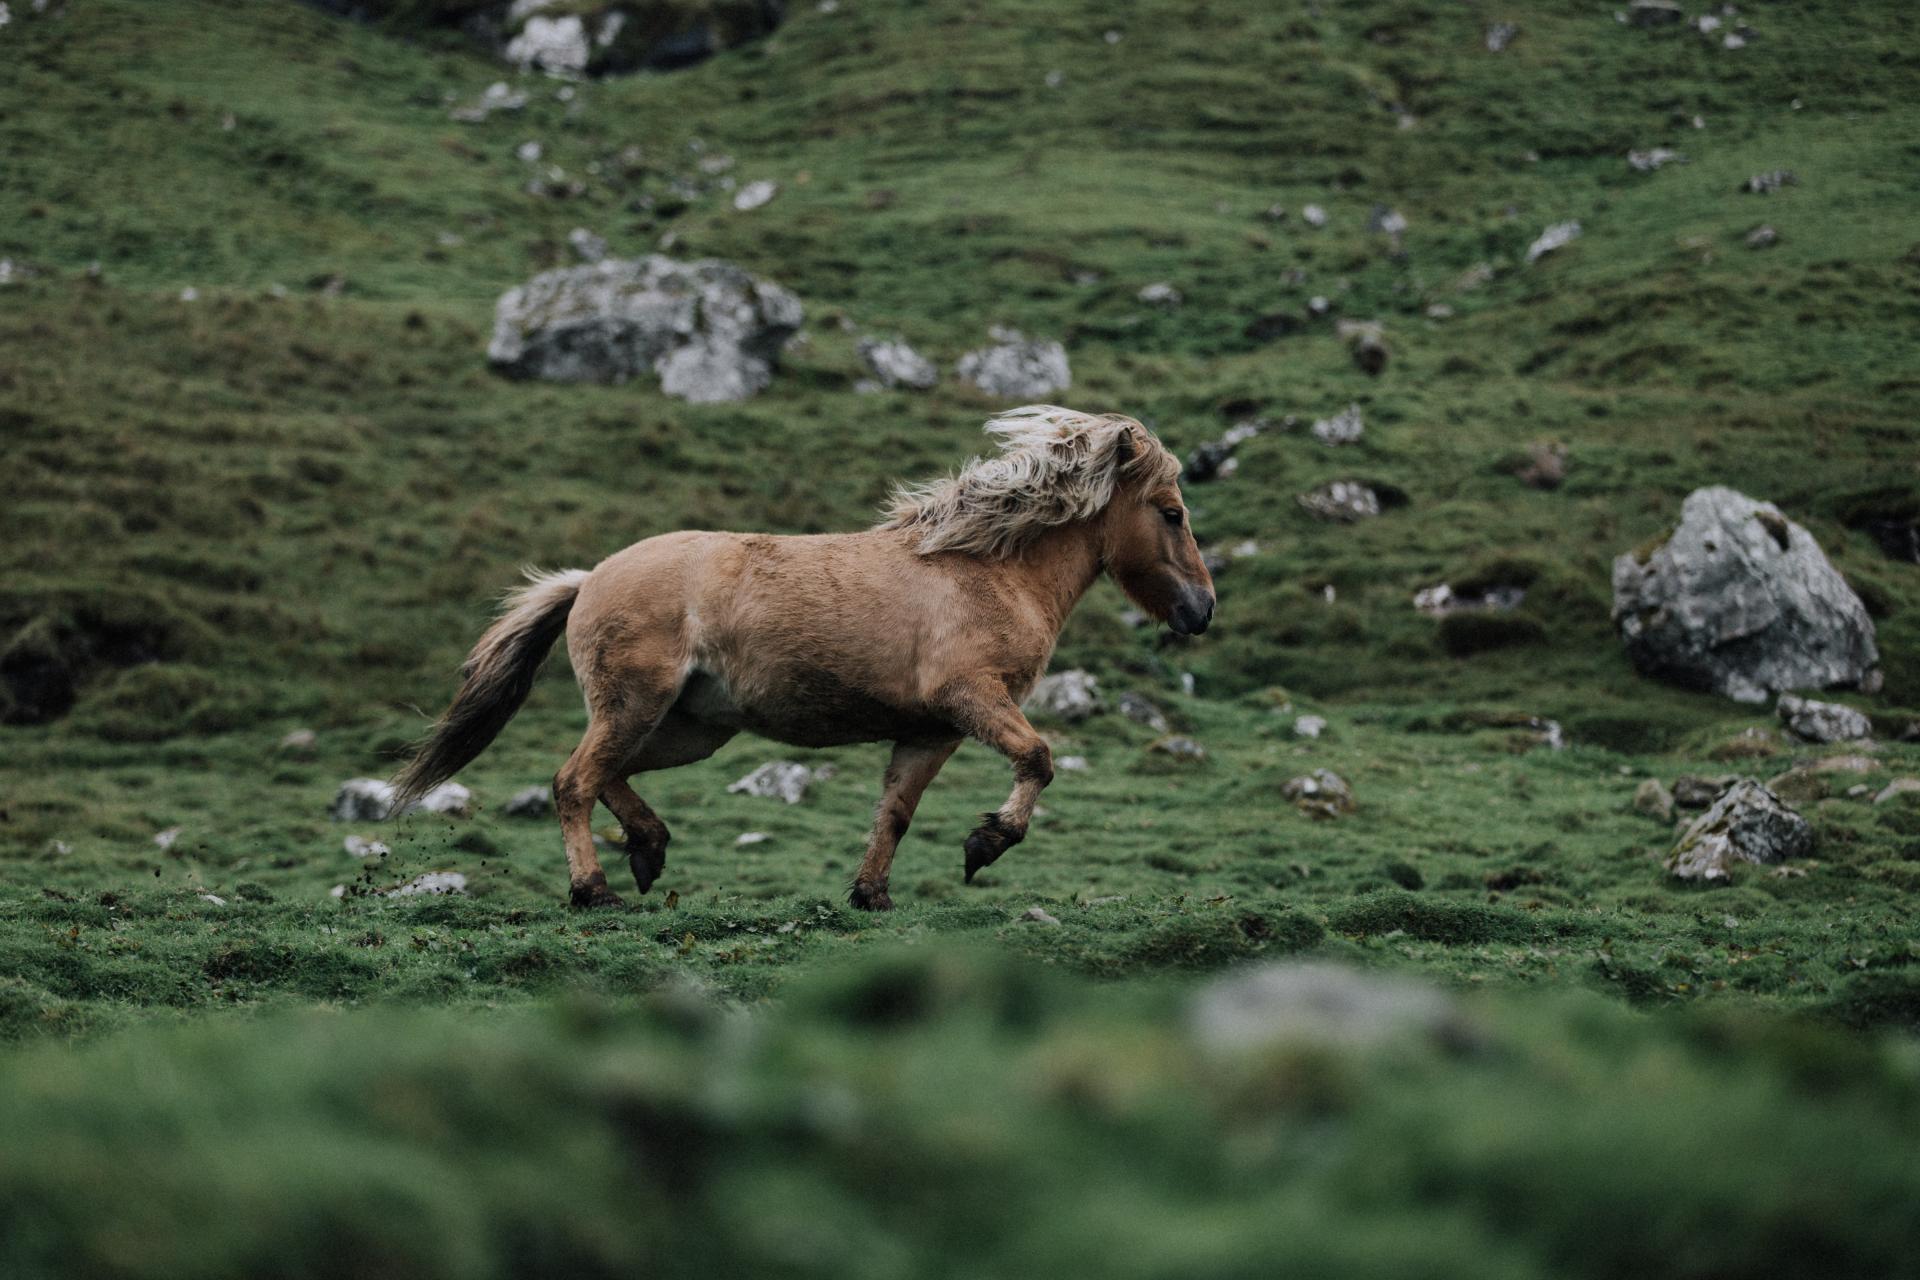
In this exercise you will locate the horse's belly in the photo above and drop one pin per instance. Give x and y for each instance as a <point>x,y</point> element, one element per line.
<point>804,708</point>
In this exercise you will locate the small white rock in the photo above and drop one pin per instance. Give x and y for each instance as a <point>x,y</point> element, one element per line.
<point>1039,915</point>
<point>751,837</point>
<point>755,194</point>
<point>1309,726</point>
<point>166,838</point>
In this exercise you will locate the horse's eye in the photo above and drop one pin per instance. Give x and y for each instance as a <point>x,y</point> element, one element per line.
<point>1172,514</point>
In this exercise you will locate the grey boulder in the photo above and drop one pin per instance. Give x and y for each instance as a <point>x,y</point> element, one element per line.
<point>708,330</point>
<point>895,364</point>
<point>1065,695</point>
<point>1741,601</point>
<point>1823,721</point>
<point>1015,368</point>
<point>1748,823</point>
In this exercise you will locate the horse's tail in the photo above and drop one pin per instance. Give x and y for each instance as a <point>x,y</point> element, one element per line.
<point>497,677</point>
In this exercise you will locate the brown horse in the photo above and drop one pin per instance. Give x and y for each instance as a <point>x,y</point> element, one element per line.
<point>923,631</point>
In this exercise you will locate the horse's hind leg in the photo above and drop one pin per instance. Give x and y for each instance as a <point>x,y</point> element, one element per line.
<point>600,759</point>
<point>988,713</point>
<point>679,739</point>
<point>911,769</point>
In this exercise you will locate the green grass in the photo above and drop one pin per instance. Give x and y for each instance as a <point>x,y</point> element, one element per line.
<point>289,502</point>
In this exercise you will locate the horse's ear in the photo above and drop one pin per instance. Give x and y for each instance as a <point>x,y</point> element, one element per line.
<point>1124,448</point>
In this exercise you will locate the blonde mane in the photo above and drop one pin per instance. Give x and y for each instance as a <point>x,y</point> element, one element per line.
<point>1055,465</point>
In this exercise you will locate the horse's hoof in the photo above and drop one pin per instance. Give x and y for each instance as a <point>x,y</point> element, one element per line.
<point>866,898</point>
<point>989,840</point>
<point>593,892</point>
<point>645,869</point>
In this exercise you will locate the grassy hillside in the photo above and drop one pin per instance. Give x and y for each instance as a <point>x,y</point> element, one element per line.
<point>258,478</point>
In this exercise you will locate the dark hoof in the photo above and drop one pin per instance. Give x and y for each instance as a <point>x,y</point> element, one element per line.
<point>646,858</point>
<point>866,898</point>
<point>989,840</point>
<point>593,892</point>
<point>646,867</point>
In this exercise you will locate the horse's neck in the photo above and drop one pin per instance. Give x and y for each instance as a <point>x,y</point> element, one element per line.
<point>1059,568</point>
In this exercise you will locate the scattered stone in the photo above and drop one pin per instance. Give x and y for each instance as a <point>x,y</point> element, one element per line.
<point>776,780</point>
<point>1544,465</point>
<point>1141,711</point>
<point>499,96</point>
<point>1500,35</point>
<point>587,246</point>
<point>1655,13</point>
<point>1320,794</point>
<point>1161,295</point>
<point>1180,748</point>
<point>1344,501</point>
<point>1748,823</point>
<point>368,799</point>
<point>1309,726</point>
<point>754,195</point>
<point>300,742</point>
<point>895,364</point>
<point>1556,237</point>
<point>165,839</point>
<point>1653,800</point>
<point>530,802</point>
<point>1215,458</point>
<point>1038,915</point>
<point>710,331</point>
<point>1345,427</point>
<point>362,847</point>
<point>751,837</point>
<point>1762,237</point>
<point>1897,788</point>
<point>528,152</point>
<point>1287,1002</point>
<point>1692,791</point>
<point>432,884</point>
<point>1016,369</point>
<point>214,898</point>
<point>1071,764</point>
<point>1366,342</point>
<point>1823,721</point>
<point>1653,158</point>
<point>1765,184</point>
<point>1803,785</point>
<point>1065,695</point>
<point>1391,223</point>
<point>1741,600</point>
<point>555,45</point>
<point>1314,216</point>
<point>1440,600</point>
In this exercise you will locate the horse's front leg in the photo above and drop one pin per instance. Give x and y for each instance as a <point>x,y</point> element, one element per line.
<point>910,770</point>
<point>989,714</point>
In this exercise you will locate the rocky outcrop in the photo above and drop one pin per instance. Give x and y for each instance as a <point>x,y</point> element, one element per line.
<point>894,364</point>
<point>1823,721</point>
<point>1748,823</point>
<point>572,38</point>
<point>1740,600</point>
<point>1015,368</point>
<point>708,330</point>
<point>1065,695</point>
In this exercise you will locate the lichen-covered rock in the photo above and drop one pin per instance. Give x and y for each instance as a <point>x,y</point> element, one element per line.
<point>369,799</point>
<point>1065,695</point>
<point>707,329</point>
<point>1320,794</point>
<point>1823,721</point>
<point>1142,711</point>
<point>1748,823</point>
<point>777,780</point>
<point>1653,800</point>
<point>1342,501</point>
<point>1015,368</point>
<point>530,802</point>
<point>1742,601</point>
<point>1344,427</point>
<point>895,364</point>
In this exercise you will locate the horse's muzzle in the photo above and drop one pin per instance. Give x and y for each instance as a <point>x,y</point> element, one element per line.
<point>1193,614</point>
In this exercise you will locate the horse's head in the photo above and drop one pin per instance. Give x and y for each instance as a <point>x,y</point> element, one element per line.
<point>1147,541</point>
